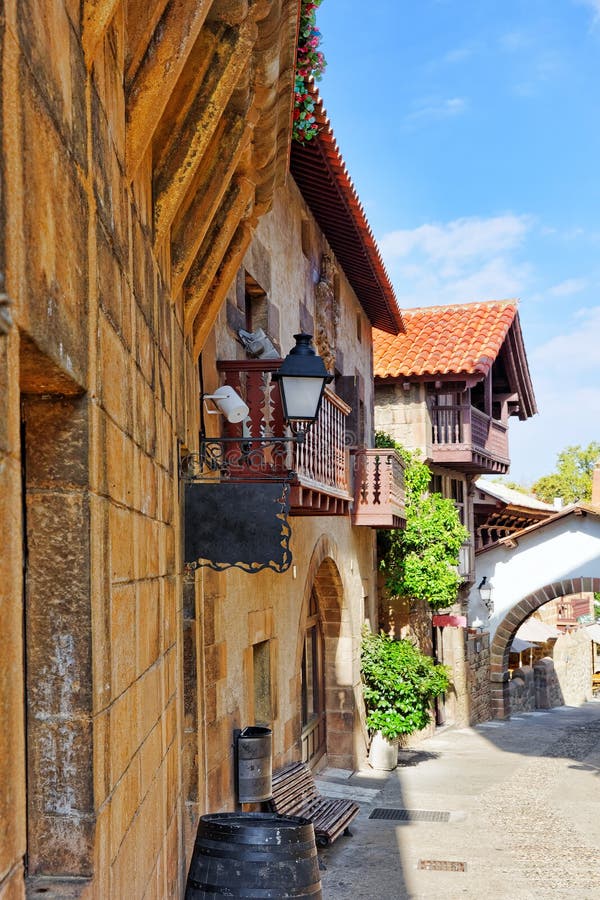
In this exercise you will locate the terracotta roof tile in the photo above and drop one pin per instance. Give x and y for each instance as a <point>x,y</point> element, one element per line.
<point>445,340</point>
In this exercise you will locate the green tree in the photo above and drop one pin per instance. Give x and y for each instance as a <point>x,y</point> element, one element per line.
<point>420,561</point>
<point>572,479</point>
<point>399,684</point>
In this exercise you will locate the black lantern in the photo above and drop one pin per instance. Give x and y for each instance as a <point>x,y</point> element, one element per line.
<point>302,377</point>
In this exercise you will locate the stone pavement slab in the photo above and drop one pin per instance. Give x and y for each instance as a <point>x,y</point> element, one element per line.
<point>523,798</point>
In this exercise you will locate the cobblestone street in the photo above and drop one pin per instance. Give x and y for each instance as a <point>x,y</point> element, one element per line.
<point>515,803</point>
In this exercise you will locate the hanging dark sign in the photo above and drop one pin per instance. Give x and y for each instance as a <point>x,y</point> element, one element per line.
<point>241,525</point>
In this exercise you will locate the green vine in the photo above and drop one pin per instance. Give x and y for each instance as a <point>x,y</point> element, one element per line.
<point>310,63</point>
<point>399,685</point>
<point>420,561</point>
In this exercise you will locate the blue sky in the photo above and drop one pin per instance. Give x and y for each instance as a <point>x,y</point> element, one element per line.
<point>471,129</point>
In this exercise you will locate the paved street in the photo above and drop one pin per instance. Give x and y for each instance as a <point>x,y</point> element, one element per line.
<point>516,803</point>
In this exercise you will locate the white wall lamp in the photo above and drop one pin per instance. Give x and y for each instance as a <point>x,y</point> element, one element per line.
<point>485,593</point>
<point>228,403</point>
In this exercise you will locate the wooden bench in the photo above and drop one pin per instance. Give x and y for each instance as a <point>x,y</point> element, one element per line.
<point>295,794</point>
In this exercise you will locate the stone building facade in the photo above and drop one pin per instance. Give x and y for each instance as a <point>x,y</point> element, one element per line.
<point>143,145</point>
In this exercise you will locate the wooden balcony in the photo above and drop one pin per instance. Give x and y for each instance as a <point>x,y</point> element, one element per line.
<point>468,439</point>
<point>378,489</point>
<point>321,483</point>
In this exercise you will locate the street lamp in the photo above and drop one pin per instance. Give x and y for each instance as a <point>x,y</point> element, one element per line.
<point>485,592</point>
<point>302,377</point>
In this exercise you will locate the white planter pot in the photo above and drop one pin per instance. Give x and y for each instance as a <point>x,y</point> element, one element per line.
<point>383,754</point>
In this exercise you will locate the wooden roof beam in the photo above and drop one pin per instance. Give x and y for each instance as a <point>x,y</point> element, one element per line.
<point>230,140</point>
<point>189,144</point>
<point>210,304</point>
<point>96,17</point>
<point>158,72</point>
<point>235,207</point>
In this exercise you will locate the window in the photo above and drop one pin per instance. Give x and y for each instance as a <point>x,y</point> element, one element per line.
<point>255,306</point>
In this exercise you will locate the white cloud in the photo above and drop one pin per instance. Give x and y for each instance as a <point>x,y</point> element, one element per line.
<point>594,5</point>
<point>460,240</point>
<point>563,371</point>
<point>568,287</point>
<point>458,262</point>
<point>434,109</point>
<point>573,352</point>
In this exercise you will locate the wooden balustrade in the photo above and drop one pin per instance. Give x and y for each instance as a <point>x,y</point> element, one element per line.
<point>320,464</point>
<point>467,436</point>
<point>378,488</point>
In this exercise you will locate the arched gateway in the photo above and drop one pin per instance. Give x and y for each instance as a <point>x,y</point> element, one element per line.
<point>555,558</point>
<point>505,633</point>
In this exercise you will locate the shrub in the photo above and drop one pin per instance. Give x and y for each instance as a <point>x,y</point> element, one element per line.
<point>399,685</point>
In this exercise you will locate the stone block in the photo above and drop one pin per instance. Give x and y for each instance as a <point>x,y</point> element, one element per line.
<point>144,431</point>
<point>60,427</point>
<point>145,348</point>
<point>148,624</point>
<point>121,525</point>
<point>120,454</point>
<point>169,612</point>
<point>60,789</point>
<point>123,637</point>
<point>54,239</point>
<point>113,291</point>
<point>115,376</point>
<point>49,42</point>
<point>110,187</point>
<point>151,756</point>
<point>124,731</point>
<point>124,804</point>
<point>216,662</point>
<point>150,700</point>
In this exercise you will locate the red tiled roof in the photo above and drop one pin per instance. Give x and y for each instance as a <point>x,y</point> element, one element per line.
<point>321,175</point>
<point>445,340</point>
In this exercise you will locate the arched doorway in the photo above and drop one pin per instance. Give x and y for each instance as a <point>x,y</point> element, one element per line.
<point>505,632</point>
<point>326,664</point>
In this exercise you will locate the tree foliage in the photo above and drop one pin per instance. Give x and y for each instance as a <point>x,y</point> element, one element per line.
<point>420,560</point>
<point>399,685</point>
<point>572,479</point>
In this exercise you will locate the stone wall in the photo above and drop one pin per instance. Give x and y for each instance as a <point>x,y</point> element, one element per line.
<point>125,150</point>
<point>478,677</point>
<point>572,657</point>
<point>522,690</point>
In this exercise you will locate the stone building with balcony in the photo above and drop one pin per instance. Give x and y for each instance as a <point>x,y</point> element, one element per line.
<point>448,387</point>
<point>141,144</point>
<point>282,648</point>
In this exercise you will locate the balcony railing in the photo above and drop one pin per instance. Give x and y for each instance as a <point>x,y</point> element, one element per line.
<point>378,489</point>
<point>464,435</point>
<point>321,464</point>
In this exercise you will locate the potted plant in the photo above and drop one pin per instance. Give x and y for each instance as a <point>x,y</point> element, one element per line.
<point>399,685</point>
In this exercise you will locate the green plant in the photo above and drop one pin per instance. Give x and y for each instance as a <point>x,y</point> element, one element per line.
<point>572,479</point>
<point>399,685</point>
<point>310,63</point>
<point>420,560</point>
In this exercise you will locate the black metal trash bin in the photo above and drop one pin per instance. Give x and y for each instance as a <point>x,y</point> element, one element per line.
<point>254,855</point>
<point>254,764</point>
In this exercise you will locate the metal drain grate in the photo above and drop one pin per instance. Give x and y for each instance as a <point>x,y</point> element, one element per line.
<point>442,865</point>
<point>411,815</point>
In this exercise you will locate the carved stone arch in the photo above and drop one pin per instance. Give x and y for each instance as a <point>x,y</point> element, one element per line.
<point>511,622</point>
<point>323,576</point>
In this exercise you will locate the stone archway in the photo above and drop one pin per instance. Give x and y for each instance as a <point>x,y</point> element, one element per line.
<point>505,632</point>
<point>324,578</point>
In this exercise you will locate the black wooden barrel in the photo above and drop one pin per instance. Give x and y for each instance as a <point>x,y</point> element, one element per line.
<point>254,855</point>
